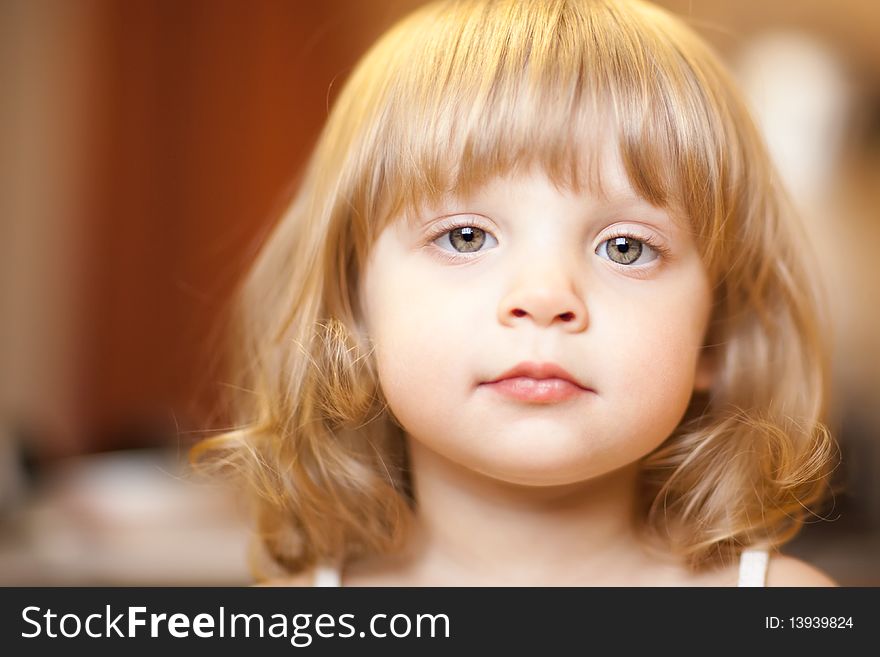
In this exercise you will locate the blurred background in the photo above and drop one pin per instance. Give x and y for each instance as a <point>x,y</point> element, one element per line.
<point>146,148</point>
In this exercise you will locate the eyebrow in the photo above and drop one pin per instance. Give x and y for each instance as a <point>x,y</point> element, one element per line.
<point>625,194</point>
<point>621,197</point>
<point>615,198</point>
<point>629,200</point>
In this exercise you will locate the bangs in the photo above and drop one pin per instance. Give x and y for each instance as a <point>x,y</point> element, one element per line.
<point>461,92</point>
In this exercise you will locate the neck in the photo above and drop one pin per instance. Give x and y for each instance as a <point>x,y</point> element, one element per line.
<point>471,529</point>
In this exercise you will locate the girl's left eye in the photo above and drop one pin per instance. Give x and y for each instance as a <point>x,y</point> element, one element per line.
<point>627,250</point>
<point>464,239</point>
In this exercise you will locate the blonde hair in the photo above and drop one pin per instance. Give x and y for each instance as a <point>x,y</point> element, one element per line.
<point>454,94</point>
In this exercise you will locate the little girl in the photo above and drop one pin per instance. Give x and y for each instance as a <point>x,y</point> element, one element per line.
<point>537,315</point>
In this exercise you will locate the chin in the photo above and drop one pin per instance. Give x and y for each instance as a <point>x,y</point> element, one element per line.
<point>534,479</point>
<point>542,470</point>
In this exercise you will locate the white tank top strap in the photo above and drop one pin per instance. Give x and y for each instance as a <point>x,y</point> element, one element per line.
<point>327,575</point>
<point>753,567</point>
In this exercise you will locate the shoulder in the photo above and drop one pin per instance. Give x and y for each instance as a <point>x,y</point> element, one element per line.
<point>305,578</point>
<point>788,571</point>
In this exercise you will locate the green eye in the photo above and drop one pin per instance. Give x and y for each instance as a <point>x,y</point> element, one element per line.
<point>625,250</point>
<point>464,239</point>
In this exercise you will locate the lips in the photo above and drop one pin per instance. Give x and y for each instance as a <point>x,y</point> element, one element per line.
<point>538,383</point>
<point>539,371</point>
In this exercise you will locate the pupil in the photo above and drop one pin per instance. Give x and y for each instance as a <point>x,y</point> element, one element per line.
<point>467,233</point>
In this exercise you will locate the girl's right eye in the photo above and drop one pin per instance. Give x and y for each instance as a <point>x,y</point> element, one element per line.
<point>464,239</point>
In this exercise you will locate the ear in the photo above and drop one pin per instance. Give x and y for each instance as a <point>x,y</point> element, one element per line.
<point>704,376</point>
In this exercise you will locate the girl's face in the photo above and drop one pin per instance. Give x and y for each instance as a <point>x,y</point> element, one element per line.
<point>611,290</point>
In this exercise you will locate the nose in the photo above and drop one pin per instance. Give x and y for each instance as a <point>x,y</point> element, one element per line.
<point>544,298</point>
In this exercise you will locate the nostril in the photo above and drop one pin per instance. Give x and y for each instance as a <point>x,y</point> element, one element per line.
<point>567,317</point>
<point>519,312</point>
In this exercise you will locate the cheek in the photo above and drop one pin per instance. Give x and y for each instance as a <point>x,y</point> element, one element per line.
<point>423,338</point>
<point>657,346</point>
<point>440,328</point>
<point>421,374</point>
<point>412,315</point>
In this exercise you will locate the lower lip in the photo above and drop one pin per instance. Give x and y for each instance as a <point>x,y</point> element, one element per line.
<point>537,390</point>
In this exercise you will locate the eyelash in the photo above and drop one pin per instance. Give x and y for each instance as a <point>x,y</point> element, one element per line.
<point>444,227</point>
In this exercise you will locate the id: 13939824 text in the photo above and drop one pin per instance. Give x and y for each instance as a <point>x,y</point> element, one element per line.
<point>808,623</point>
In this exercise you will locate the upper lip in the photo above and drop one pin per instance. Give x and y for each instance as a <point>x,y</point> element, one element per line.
<point>539,371</point>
